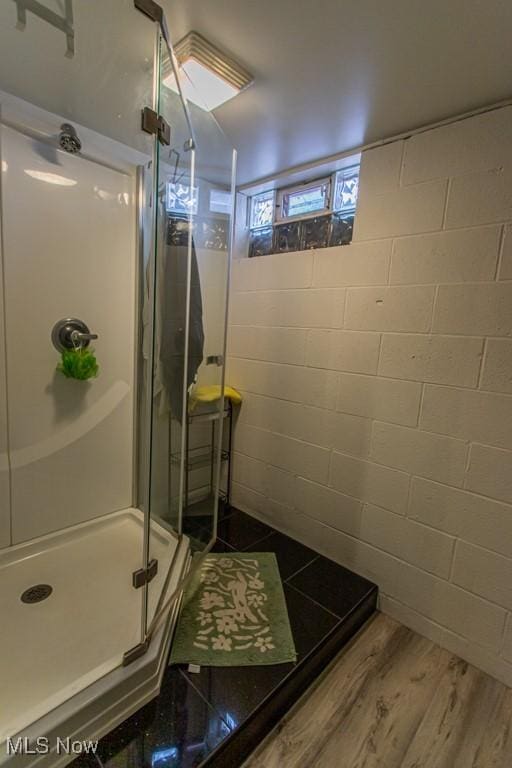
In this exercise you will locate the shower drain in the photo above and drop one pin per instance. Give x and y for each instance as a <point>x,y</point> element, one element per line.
<point>36,593</point>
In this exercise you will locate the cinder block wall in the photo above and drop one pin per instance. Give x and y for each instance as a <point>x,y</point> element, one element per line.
<point>377,422</point>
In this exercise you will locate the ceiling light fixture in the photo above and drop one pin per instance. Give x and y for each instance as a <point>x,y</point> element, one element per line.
<point>211,77</point>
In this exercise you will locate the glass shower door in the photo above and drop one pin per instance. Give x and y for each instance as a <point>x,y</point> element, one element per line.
<point>201,206</point>
<point>193,223</point>
<point>167,282</point>
<point>205,473</point>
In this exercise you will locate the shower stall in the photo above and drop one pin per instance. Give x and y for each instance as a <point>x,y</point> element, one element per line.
<point>115,226</point>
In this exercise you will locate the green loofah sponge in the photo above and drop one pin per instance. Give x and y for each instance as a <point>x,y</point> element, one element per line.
<point>78,364</point>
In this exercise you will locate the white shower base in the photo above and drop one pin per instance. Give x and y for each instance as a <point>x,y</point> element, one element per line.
<point>51,650</point>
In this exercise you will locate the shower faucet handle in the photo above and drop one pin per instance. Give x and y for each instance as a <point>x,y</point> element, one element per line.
<point>77,337</point>
<point>71,333</point>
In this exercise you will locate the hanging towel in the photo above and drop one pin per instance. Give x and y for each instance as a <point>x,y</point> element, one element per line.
<point>173,313</point>
<point>170,317</point>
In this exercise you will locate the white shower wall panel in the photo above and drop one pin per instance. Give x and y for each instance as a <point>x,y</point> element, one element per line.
<point>5,522</point>
<point>69,251</point>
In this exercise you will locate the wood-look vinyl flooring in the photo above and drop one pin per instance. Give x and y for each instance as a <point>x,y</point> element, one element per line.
<point>394,699</point>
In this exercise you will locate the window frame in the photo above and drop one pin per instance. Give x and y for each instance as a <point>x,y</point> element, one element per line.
<point>303,187</point>
<point>224,191</point>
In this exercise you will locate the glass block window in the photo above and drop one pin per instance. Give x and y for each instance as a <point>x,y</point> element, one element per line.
<point>180,199</point>
<point>303,201</point>
<point>316,214</point>
<point>346,189</point>
<point>220,201</point>
<point>260,242</point>
<point>262,210</point>
<point>288,237</point>
<point>315,232</point>
<point>178,231</point>
<point>341,229</point>
<point>212,233</point>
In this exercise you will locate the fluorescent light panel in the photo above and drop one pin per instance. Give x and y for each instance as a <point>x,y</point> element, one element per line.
<point>211,77</point>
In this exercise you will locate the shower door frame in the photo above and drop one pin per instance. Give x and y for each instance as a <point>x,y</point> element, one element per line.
<point>153,123</point>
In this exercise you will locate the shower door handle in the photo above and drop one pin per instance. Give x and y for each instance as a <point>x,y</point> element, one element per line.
<point>71,333</point>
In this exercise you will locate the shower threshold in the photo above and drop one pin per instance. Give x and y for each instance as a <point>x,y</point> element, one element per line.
<point>69,613</point>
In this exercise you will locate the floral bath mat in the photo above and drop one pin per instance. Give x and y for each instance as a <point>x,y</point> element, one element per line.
<point>234,614</point>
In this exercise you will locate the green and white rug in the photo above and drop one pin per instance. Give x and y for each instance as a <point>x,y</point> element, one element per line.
<point>234,614</point>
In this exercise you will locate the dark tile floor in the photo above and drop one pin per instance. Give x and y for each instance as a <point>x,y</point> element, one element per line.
<point>216,718</point>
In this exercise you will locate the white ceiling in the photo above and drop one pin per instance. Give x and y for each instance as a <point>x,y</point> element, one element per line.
<point>331,75</point>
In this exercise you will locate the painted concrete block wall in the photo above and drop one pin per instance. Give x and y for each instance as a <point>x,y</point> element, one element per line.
<point>377,422</point>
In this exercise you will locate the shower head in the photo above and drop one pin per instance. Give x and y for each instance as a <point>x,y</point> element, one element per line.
<point>68,139</point>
